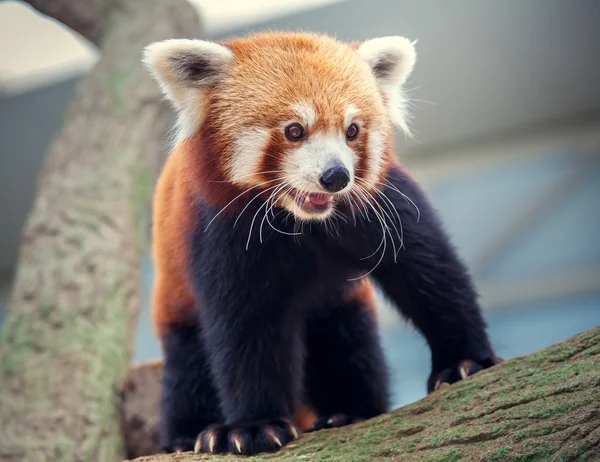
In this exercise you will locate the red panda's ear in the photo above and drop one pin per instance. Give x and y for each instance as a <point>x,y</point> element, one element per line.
<point>391,60</point>
<point>183,69</point>
<point>181,64</point>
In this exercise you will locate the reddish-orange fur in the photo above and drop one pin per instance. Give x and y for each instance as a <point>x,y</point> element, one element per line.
<point>305,418</point>
<point>198,166</point>
<point>304,122</point>
<point>173,300</point>
<point>363,293</point>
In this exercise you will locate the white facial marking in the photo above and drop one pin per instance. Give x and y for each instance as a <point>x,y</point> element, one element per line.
<point>306,164</point>
<point>349,116</point>
<point>184,69</point>
<point>306,112</point>
<point>249,150</point>
<point>391,60</point>
<point>375,158</point>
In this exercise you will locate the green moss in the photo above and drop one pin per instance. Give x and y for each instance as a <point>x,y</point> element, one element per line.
<point>118,84</point>
<point>462,418</point>
<point>575,453</point>
<point>591,352</point>
<point>544,412</point>
<point>63,446</point>
<point>97,360</point>
<point>498,455</point>
<point>8,365</point>
<point>547,429</point>
<point>536,456</point>
<point>421,407</point>
<point>451,455</point>
<point>141,194</point>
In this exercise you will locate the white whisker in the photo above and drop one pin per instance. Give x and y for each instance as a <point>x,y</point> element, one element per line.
<point>273,203</point>
<point>348,200</point>
<point>382,218</point>
<point>408,199</point>
<point>365,199</point>
<point>390,206</point>
<point>252,224</point>
<point>235,198</point>
<point>250,201</point>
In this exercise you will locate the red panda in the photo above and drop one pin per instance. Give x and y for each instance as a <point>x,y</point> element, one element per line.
<point>279,205</point>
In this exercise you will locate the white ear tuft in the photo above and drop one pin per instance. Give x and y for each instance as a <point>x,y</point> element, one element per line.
<point>182,69</point>
<point>183,63</point>
<point>391,60</point>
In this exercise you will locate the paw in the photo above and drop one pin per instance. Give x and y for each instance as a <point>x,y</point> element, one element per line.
<point>246,438</point>
<point>459,371</point>
<point>333,421</point>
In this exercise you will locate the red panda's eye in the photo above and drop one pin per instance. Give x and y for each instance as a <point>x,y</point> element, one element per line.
<point>294,132</point>
<point>352,132</point>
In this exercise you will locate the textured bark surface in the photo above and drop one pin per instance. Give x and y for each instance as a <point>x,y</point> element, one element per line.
<point>65,346</point>
<point>87,18</point>
<point>541,407</point>
<point>140,411</point>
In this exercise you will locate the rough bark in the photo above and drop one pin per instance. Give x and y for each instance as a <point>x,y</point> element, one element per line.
<point>140,402</point>
<point>66,343</point>
<point>87,18</point>
<point>545,406</point>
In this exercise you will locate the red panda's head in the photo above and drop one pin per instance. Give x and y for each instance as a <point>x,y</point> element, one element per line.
<point>303,118</point>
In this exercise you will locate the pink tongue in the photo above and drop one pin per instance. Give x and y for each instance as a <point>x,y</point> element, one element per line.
<point>319,198</point>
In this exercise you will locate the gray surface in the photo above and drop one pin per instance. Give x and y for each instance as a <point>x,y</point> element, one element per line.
<point>567,239</point>
<point>465,204</point>
<point>28,124</point>
<point>517,331</point>
<point>5,281</point>
<point>478,204</point>
<point>488,66</point>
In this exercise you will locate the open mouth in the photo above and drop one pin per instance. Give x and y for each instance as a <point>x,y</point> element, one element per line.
<point>316,203</point>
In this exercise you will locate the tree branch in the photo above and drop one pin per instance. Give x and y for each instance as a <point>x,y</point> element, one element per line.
<point>65,346</point>
<point>87,18</point>
<point>545,406</point>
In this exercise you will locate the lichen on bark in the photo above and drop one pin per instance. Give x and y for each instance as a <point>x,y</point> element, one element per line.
<point>66,343</point>
<point>541,407</point>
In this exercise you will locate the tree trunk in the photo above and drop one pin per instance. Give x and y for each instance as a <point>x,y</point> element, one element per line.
<point>66,343</point>
<point>545,406</point>
<point>87,18</point>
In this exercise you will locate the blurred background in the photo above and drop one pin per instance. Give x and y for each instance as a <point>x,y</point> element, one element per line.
<point>506,103</point>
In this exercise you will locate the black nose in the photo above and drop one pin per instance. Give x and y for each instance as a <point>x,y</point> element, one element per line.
<point>335,179</point>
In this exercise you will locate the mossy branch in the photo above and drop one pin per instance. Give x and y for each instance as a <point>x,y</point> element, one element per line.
<point>545,406</point>
<point>66,343</point>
